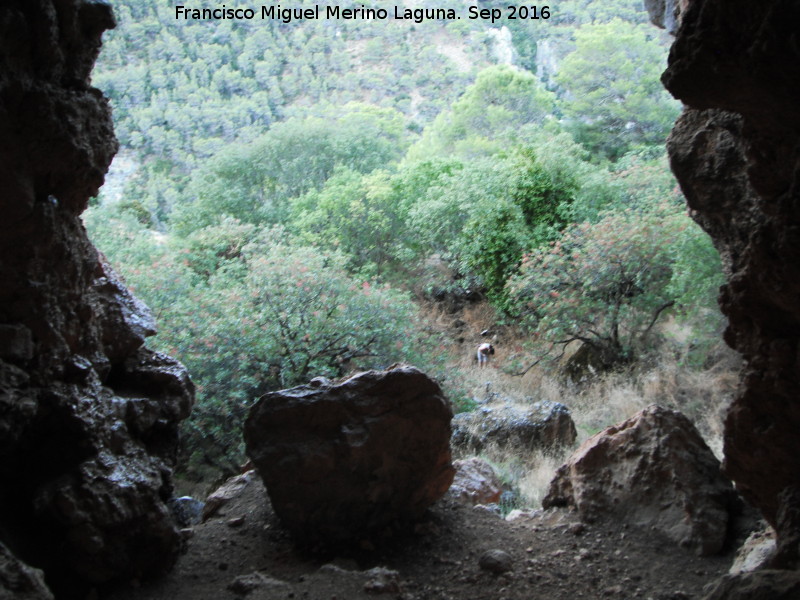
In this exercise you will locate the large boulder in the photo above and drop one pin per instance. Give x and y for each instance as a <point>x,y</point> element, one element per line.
<point>88,415</point>
<point>343,462</point>
<point>542,425</point>
<point>652,470</point>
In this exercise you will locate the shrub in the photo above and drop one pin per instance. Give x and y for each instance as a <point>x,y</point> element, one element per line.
<point>605,284</point>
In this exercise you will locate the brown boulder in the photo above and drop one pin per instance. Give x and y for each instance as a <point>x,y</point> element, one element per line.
<point>475,482</point>
<point>652,470</point>
<point>343,461</point>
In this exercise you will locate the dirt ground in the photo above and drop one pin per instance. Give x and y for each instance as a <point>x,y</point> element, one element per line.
<point>242,551</point>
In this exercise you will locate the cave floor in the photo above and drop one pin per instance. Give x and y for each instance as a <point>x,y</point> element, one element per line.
<point>242,550</point>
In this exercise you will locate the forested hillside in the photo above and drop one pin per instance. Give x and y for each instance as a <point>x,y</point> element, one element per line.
<point>302,189</point>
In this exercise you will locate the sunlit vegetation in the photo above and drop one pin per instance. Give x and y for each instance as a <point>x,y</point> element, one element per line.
<point>295,183</point>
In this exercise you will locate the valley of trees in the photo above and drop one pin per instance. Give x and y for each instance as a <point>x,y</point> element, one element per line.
<point>303,191</point>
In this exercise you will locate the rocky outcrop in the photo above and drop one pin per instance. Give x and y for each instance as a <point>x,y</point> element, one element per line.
<point>736,154</point>
<point>88,415</point>
<point>343,461</point>
<point>763,585</point>
<point>475,482</point>
<point>543,425</point>
<point>652,470</point>
<point>666,13</point>
<point>19,581</point>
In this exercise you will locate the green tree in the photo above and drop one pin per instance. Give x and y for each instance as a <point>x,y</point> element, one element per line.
<point>488,115</point>
<point>253,182</point>
<point>613,93</point>
<point>605,285</point>
<point>275,318</point>
<point>483,217</point>
<point>365,216</point>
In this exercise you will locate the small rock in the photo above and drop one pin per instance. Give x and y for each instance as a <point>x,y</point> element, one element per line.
<point>236,521</point>
<point>491,509</point>
<point>244,584</point>
<point>495,561</point>
<point>577,528</point>
<point>382,581</point>
<point>229,490</point>
<point>518,514</point>
<point>186,510</point>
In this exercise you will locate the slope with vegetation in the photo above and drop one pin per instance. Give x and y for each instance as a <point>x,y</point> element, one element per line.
<point>296,183</point>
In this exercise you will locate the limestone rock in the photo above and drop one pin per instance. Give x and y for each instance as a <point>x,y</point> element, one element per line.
<point>652,470</point>
<point>88,415</point>
<point>542,425</point>
<point>475,482</point>
<point>341,462</point>
<point>755,553</point>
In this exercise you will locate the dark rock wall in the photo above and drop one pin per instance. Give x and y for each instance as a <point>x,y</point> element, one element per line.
<point>88,415</point>
<point>736,153</point>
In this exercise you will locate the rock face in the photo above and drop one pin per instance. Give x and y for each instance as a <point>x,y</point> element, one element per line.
<point>342,462</point>
<point>19,581</point>
<point>762,585</point>
<point>88,415</point>
<point>654,470</point>
<point>666,13</point>
<point>543,425</point>
<point>736,156</point>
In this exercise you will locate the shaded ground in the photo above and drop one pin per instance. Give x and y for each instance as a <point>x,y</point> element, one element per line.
<point>552,557</point>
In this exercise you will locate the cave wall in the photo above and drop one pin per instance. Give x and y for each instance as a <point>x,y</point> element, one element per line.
<point>735,150</point>
<point>88,415</point>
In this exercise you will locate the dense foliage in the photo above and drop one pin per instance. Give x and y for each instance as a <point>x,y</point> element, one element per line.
<point>289,181</point>
<point>604,284</point>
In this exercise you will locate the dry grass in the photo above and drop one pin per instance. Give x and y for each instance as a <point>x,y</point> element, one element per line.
<point>702,394</point>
